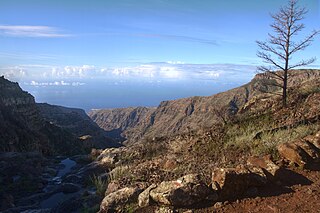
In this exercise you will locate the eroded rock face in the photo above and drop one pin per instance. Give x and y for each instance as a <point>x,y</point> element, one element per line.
<point>115,201</point>
<point>185,191</point>
<point>235,182</point>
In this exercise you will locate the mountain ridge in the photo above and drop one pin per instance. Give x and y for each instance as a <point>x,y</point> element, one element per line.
<point>193,113</point>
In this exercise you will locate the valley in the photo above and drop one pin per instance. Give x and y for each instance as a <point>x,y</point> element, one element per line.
<point>235,151</point>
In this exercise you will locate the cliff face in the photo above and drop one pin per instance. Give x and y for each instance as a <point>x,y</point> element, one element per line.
<point>20,120</point>
<point>117,121</point>
<point>24,128</point>
<point>78,123</point>
<point>189,114</point>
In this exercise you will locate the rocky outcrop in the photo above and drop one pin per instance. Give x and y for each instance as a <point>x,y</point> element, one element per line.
<point>116,121</point>
<point>144,198</point>
<point>78,123</point>
<point>232,183</point>
<point>188,114</point>
<point>304,153</point>
<point>26,126</point>
<point>113,202</point>
<point>183,192</point>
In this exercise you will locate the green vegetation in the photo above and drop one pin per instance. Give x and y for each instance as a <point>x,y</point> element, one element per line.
<point>100,184</point>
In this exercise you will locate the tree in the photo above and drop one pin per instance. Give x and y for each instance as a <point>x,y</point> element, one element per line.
<point>278,50</point>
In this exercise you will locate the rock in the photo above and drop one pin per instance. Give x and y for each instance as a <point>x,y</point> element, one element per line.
<point>315,140</point>
<point>270,169</point>
<point>163,209</point>
<point>170,165</point>
<point>218,205</point>
<point>69,188</point>
<point>112,187</point>
<point>294,153</point>
<point>75,179</point>
<point>185,191</point>
<point>110,157</point>
<point>113,202</point>
<point>301,152</point>
<point>309,148</point>
<point>234,182</point>
<point>144,197</point>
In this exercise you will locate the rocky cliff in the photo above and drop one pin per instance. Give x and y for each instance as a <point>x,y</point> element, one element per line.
<point>78,123</point>
<point>24,128</point>
<point>116,121</point>
<point>190,114</point>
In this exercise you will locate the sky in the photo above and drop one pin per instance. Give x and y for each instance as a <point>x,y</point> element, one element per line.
<point>62,49</point>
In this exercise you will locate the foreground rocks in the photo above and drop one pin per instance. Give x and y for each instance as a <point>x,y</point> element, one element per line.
<point>185,191</point>
<point>304,153</point>
<point>114,201</point>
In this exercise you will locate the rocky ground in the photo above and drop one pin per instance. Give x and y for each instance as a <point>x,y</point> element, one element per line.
<point>299,192</point>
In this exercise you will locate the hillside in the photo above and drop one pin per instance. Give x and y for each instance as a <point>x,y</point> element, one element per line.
<point>117,121</point>
<point>189,114</point>
<point>26,126</point>
<point>252,154</point>
<point>78,123</point>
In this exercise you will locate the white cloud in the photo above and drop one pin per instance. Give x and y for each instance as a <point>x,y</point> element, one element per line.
<point>152,71</point>
<point>54,83</point>
<point>13,73</point>
<point>31,31</point>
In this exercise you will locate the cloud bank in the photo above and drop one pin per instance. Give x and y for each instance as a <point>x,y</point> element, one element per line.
<point>42,75</point>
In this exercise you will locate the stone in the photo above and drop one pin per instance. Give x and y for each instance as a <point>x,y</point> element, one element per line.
<point>218,205</point>
<point>110,156</point>
<point>144,197</point>
<point>113,202</point>
<point>309,148</point>
<point>269,168</point>
<point>69,188</point>
<point>314,140</point>
<point>293,153</point>
<point>183,192</point>
<point>234,182</point>
<point>164,209</point>
<point>112,187</point>
<point>75,179</point>
<point>303,152</point>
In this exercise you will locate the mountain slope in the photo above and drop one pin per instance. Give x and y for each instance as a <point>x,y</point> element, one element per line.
<point>24,128</point>
<point>194,113</point>
<point>77,122</point>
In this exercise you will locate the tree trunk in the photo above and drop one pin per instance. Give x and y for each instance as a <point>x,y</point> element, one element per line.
<point>284,90</point>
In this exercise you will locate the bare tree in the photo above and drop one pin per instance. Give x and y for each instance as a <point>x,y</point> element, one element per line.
<point>278,50</point>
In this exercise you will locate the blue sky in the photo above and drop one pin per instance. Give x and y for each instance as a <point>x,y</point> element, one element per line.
<point>43,42</point>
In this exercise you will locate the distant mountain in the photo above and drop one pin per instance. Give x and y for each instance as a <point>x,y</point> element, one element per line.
<point>188,114</point>
<point>24,128</point>
<point>78,123</point>
<point>117,121</point>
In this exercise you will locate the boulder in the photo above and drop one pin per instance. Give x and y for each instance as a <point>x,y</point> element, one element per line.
<point>309,148</point>
<point>69,188</point>
<point>304,152</point>
<point>294,153</point>
<point>234,182</point>
<point>269,168</point>
<point>113,202</point>
<point>144,197</point>
<point>315,140</point>
<point>185,191</point>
